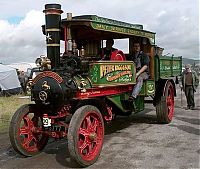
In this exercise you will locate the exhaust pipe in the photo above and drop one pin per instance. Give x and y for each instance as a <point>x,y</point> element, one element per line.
<point>52,30</point>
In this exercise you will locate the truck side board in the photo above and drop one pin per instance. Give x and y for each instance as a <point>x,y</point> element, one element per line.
<point>167,67</point>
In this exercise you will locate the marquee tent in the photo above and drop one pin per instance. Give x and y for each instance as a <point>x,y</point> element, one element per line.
<point>23,66</point>
<point>9,83</point>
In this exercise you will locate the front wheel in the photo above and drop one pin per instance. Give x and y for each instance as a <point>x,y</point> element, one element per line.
<point>165,106</point>
<point>85,135</point>
<point>26,131</point>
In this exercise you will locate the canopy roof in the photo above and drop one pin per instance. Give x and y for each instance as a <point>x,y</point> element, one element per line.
<point>95,27</point>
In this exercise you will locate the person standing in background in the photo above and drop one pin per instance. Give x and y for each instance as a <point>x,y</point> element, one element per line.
<point>23,79</point>
<point>189,83</point>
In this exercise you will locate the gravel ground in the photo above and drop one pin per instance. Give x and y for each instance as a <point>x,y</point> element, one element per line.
<point>136,141</point>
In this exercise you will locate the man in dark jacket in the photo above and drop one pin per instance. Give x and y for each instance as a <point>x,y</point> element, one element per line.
<point>189,84</point>
<point>141,61</point>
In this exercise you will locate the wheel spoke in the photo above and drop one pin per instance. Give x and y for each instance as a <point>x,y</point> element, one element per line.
<point>84,145</point>
<point>28,121</point>
<point>31,123</point>
<point>90,148</point>
<point>170,114</point>
<point>168,101</point>
<point>88,120</point>
<point>84,132</point>
<point>24,130</point>
<point>27,141</point>
<point>94,125</point>
<point>36,138</point>
<point>99,138</point>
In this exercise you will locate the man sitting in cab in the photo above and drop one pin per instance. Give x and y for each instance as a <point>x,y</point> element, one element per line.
<point>106,52</point>
<point>141,61</point>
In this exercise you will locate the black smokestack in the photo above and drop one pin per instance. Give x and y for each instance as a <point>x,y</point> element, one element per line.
<point>52,29</point>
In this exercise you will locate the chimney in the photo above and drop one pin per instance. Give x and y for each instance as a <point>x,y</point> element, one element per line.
<point>52,29</point>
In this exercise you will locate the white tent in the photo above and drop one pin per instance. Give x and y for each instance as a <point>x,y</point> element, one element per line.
<point>9,83</point>
<point>23,66</point>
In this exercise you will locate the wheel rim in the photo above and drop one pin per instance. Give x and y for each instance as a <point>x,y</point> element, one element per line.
<point>30,134</point>
<point>170,101</point>
<point>90,136</point>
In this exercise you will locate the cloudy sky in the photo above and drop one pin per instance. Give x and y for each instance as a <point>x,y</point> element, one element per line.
<point>176,23</point>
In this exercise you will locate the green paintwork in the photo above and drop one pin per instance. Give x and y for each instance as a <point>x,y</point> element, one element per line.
<point>139,102</point>
<point>116,100</point>
<point>143,91</point>
<point>169,66</point>
<point>177,67</point>
<point>109,73</point>
<point>148,88</point>
<point>120,101</point>
<point>105,73</point>
<point>124,30</point>
<point>115,22</point>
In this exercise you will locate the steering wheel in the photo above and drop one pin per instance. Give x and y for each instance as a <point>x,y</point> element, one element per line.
<point>117,55</point>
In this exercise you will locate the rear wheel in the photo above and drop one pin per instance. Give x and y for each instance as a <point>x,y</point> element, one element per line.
<point>25,131</point>
<point>165,106</point>
<point>85,135</point>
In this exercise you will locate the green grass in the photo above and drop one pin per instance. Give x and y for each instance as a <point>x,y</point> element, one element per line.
<point>8,106</point>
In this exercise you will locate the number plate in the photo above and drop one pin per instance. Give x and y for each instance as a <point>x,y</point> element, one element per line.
<point>46,122</point>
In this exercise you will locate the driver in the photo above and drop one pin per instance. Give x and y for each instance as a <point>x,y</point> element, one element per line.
<point>106,52</point>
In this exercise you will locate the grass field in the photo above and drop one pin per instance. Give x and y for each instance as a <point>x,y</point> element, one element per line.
<point>8,106</point>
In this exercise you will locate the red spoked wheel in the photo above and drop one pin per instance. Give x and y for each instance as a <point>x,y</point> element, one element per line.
<point>165,107</point>
<point>85,135</point>
<point>25,131</point>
